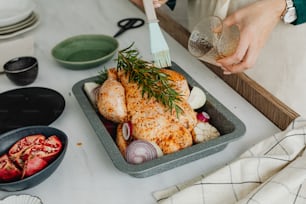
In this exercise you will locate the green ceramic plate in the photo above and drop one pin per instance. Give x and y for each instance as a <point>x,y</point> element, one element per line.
<point>85,51</point>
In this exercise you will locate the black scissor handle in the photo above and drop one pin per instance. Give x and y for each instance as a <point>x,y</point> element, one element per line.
<point>129,23</point>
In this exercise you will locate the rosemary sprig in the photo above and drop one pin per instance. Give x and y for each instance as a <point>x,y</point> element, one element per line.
<point>152,81</point>
<point>101,77</point>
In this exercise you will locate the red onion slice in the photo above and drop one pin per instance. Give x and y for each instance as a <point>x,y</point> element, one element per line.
<point>140,151</point>
<point>203,117</point>
<point>127,130</point>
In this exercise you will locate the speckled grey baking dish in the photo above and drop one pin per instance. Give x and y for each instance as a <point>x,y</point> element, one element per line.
<point>230,127</point>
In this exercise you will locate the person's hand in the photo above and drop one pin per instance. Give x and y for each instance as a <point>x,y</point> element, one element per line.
<point>157,3</point>
<point>255,22</point>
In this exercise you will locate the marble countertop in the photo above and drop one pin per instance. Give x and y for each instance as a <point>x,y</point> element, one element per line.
<point>87,174</point>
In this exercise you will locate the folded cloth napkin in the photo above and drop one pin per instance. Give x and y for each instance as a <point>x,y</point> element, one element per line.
<point>15,48</point>
<point>271,172</point>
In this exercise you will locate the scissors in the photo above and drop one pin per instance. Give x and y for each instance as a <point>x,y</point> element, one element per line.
<point>128,23</point>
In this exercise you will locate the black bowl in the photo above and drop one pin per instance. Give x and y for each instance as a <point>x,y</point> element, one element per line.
<point>9,138</point>
<point>22,70</point>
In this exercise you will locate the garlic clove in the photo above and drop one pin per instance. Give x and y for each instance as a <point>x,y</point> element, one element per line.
<point>197,98</point>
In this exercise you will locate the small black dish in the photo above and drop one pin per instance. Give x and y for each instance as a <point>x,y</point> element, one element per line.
<point>29,106</point>
<point>22,70</point>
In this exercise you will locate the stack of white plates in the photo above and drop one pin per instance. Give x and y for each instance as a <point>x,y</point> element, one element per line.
<point>16,17</point>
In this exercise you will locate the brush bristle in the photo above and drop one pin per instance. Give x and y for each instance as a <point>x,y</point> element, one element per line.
<point>162,59</point>
<point>159,47</point>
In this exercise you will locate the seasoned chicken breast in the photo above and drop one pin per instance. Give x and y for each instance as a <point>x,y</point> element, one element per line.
<point>152,122</point>
<point>179,82</point>
<point>121,100</point>
<point>111,101</point>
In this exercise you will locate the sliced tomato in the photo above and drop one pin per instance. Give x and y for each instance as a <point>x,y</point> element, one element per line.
<point>33,165</point>
<point>16,151</point>
<point>8,171</point>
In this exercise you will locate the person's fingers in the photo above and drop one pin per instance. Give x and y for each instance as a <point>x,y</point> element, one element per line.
<point>247,62</point>
<point>156,3</point>
<point>230,20</point>
<point>227,73</point>
<point>159,3</point>
<point>235,68</point>
<point>239,54</point>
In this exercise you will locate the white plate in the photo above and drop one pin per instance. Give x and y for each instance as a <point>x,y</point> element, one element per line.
<point>20,23</point>
<point>17,26</point>
<point>33,24</point>
<point>21,199</point>
<point>13,11</point>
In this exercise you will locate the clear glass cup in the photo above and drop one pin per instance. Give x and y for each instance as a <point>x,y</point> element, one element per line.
<point>211,40</point>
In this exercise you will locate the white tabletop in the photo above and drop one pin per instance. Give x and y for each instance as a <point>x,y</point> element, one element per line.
<point>87,174</point>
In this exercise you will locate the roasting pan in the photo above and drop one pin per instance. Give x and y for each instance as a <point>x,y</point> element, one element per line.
<point>229,126</point>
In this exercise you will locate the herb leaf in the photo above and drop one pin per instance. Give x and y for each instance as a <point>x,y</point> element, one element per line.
<point>101,77</point>
<point>152,81</point>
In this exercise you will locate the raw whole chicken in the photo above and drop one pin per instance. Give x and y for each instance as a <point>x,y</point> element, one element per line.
<point>122,102</point>
<point>151,121</point>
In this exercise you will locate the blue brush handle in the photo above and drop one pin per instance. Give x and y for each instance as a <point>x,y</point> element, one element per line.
<point>150,11</point>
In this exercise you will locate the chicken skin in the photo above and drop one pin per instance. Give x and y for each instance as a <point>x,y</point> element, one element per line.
<point>111,99</point>
<point>151,120</point>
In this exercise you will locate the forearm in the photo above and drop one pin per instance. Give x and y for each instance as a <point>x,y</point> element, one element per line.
<point>300,6</point>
